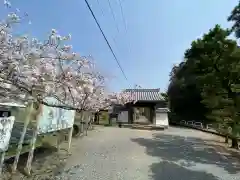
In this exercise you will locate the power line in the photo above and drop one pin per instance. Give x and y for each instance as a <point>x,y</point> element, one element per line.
<point>123,17</point>
<point>100,7</point>
<point>113,38</point>
<point>124,20</point>
<point>105,38</point>
<point>125,24</point>
<point>113,15</point>
<point>103,14</point>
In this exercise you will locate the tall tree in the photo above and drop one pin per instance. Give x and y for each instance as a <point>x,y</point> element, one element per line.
<point>215,61</point>
<point>184,95</point>
<point>235,18</point>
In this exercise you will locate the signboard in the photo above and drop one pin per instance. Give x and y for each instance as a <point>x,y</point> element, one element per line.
<point>6,125</point>
<point>53,119</point>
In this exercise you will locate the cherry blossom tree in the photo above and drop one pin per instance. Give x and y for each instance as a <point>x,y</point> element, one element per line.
<point>120,98</point>
<point>31,70</point>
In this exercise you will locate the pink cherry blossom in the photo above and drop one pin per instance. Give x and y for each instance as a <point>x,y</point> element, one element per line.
<point>38,69</point>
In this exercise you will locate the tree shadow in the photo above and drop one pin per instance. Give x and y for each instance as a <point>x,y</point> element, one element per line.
<point>166,170</point>
<point>47,161</point>
<point>190,152</point>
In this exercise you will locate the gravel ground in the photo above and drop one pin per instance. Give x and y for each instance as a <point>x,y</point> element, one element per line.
<point>110,153</point>
<point>174,154</point>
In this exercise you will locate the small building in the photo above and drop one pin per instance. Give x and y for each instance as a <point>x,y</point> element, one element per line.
<point>148,107</point>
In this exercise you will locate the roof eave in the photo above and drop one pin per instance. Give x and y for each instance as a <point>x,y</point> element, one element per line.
<point>147,101</point>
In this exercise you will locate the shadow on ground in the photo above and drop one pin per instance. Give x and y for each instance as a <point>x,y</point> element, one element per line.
<point>170,171</point>
<point>180,157</point>
<point>47,161</point>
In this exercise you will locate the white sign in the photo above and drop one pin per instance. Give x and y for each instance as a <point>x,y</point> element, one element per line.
<point>6,125</point>
<point>53,119</point>
<point>161,119</point>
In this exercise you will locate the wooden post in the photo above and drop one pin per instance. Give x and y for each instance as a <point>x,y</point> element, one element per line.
<point>20,143</point>
<point>31,153</point>
<point>33,142</point>
<point>2,162</point>
<point>70,139</point>
<point>59,136</point>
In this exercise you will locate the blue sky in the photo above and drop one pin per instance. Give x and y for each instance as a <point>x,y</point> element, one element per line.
<point>158,33</point>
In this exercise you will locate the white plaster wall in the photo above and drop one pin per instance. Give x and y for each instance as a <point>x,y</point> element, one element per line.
<point>123,117</point>
<point>162,119</point>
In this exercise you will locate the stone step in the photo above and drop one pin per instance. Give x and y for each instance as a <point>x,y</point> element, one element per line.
<point>146,127</point>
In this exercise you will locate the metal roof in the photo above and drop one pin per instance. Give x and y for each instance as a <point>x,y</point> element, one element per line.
<point>145,94</point>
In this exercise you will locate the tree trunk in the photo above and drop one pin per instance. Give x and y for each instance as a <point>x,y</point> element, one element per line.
<point>98,118</point>
<point>87,122</point>
<point>226,139</point>
<point>82,127</point>
<point>20,143</point>
<point>95,118</point>
<point>82,123</point>
<point>90,123</point>
<point>234,143</point>
<point>110,121</point>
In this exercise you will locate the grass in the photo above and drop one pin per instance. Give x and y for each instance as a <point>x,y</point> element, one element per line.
<point>11,152</point>
<point>45,140</point>
<point>104,120</point>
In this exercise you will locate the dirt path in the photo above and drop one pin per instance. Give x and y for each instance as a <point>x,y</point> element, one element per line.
<point>109,153</point>
<point>126,154</point>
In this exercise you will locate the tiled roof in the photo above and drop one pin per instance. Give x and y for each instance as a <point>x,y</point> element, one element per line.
<point>145,94</point>
<point>162,110</point>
